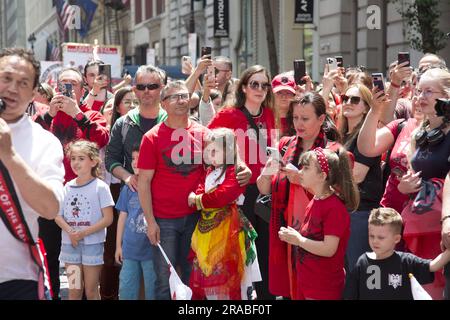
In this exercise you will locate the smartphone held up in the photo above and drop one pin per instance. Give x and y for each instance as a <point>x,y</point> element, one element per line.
<point>299,71</point>
<point>378,81</point>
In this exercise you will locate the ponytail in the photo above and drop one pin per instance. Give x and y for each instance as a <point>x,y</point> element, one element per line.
<point>341,179</point>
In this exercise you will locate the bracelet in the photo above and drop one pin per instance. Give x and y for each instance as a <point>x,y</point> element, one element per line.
<point>395,85</point>
<point>445,218</point>
<point>94,95</point>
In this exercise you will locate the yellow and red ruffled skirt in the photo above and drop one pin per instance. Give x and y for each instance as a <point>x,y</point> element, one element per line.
<point>223,243</point>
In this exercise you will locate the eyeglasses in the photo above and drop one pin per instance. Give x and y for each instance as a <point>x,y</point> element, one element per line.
<point>255,85</point>
<point>177,96</point>
<point>426,93</point>
<point>149,86</point>
<point>353,99</point>
<point>220,70</point>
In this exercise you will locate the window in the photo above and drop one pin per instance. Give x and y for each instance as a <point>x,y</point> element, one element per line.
<point>160,6</point>
<point>148,9</point>
<point>138,11</point>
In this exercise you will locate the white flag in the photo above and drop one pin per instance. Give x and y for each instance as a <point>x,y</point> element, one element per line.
<point>417,290</point>
<point>178,290</point>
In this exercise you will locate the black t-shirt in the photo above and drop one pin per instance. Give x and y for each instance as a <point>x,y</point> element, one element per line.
<point>147,124</point>
<point>386,279</point>
<point>371,188</point>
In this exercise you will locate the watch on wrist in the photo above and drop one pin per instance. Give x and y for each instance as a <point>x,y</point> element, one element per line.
<point>92,94</point>
<point>79,116</point>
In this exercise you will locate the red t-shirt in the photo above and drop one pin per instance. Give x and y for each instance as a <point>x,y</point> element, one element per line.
<point>176,157</point>
<point>320,276</point>
<point>398,163</point>
<point>249,149</point>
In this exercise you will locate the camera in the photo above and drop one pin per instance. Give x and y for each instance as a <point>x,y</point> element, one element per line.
<point>442,108</point>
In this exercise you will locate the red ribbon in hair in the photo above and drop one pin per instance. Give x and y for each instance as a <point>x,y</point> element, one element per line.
<point>322,159</point>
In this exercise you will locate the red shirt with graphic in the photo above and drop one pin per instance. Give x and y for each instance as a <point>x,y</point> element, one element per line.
<point>176,157</point>
<point>249,149</point>
<point>323,278</point>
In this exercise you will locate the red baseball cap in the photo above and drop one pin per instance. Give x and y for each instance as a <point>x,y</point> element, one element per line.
<point>283,82</point>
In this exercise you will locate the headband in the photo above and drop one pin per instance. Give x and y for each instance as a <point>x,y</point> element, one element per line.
<point>322,159</point>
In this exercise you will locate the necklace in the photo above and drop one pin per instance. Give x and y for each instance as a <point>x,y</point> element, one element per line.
<point>258,114</point>
<point>324,196</point>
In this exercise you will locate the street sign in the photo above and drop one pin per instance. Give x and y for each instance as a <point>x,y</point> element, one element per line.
<point>221,19</point>
<point>304,11</point>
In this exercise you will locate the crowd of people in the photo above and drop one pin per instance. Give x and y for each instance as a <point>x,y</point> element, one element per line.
<point>104,177</point>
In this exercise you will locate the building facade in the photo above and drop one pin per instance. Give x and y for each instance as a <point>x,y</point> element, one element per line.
<point>12,21</point>
<point>340,28</point>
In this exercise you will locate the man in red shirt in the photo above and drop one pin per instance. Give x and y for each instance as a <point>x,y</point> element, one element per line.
<point>170,167</point>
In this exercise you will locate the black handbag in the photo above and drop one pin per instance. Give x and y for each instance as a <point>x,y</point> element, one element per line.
<point>263,206</point>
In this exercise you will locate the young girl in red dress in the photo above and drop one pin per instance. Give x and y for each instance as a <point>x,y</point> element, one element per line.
<point>324,234</point>
<point>225,263</point>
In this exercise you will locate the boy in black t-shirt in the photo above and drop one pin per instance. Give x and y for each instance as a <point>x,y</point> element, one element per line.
<point>383,273</point>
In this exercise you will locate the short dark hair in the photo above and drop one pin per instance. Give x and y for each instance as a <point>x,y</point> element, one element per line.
<point>91,63</point>
<point>28,56</point>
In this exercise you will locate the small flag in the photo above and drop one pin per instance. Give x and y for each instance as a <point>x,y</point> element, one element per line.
<point>178,290</point>
<point>417,290</point>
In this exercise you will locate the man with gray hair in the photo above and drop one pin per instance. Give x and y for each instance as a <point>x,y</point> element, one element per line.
<point>129,129</point>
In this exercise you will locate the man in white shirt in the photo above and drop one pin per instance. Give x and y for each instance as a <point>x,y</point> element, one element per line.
<point>33,158</point>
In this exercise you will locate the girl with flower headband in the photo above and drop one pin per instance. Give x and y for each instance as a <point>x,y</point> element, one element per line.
<point>323,236</point>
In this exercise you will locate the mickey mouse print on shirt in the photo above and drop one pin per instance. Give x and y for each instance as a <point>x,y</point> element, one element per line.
<point>79,211</point>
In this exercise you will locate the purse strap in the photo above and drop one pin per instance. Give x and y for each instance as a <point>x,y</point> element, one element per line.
<point>263,143</point>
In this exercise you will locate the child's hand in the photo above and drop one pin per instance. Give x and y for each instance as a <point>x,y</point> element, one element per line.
<point>191,199</point>
<point>290,236</point>
<point>79,235</point>
<point>73,240</point>
<point>118,255</point>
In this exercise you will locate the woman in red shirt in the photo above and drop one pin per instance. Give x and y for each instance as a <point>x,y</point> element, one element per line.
<point>253,113</point>
<point>314,128</point>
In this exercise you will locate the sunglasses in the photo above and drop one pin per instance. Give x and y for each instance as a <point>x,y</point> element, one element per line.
<point>353,99</point>
<point>149,86</point>
<point>255,85</point>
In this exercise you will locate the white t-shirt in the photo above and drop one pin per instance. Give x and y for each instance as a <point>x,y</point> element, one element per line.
<point>43,153</point>
<point>83,208</point>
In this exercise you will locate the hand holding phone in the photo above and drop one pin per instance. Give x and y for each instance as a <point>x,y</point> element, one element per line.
<point>273,153</point>
<point>67,90</point>
<point>206,51</point>
<point>332,64</point>
<point>299,71</point>
<point>378,81</point>
<point>211,72</point>
<point>186,65</point>
<point>105,70</point>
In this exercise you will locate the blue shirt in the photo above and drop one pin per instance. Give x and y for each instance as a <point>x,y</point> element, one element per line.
<point>135,243</point>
